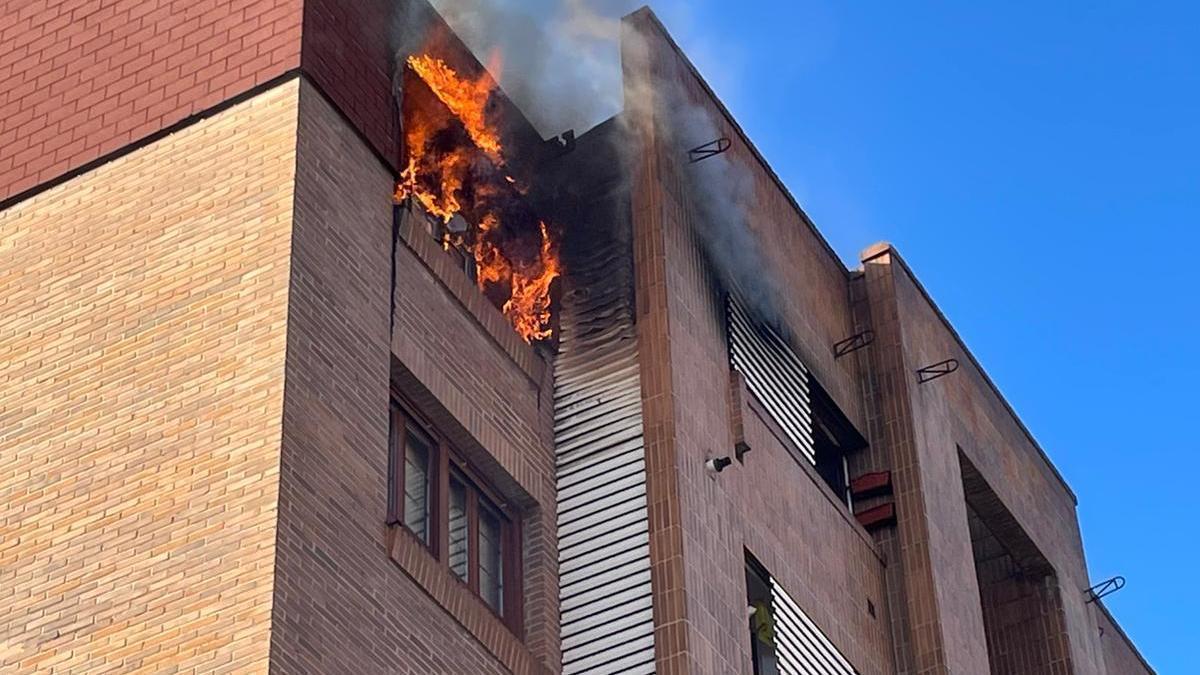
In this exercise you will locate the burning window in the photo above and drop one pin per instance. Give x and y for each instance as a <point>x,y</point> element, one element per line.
<point>457,172</point>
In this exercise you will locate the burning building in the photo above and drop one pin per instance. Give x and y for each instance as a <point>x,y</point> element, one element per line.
<point>318,357</point>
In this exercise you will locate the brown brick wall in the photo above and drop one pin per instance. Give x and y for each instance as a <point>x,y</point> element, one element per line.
<point>493,395</point>
<point>348,51</point>
<point>672,625</point>
<point>963,411</point>
<point>1021,606</point>
<point>142,336</point>
<point>342,603</point>
<point>770,505</point>
<point>815,300</point>
<point>82,78</point>
<point>917,638</point>
<point>920,429</point>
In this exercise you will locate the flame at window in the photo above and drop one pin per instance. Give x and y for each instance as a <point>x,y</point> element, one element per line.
<point>456,166</point>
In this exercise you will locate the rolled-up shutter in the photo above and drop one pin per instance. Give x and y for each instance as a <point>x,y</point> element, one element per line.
<point>800,647</point>
<point>773,373</point>
<point>607,620</point>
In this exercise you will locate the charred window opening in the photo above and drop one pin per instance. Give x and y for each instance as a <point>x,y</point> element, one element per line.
<point>456,172</point>
<point>436,496</point>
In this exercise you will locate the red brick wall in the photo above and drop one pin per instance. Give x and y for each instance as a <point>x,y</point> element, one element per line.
<point>892,447</point>
<point>770,505</point>
<point>82,78</point>
<point>348,51</point>
<point>350,595</point>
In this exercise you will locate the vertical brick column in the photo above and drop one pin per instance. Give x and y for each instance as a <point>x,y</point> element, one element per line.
<point>912,600</point>
<point>653,329</point>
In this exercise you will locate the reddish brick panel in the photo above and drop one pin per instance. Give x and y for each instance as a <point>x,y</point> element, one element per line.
<point>918,642</point>
<point>963,411</point>
<point>341,604</point>
<point>450,274</point>
<point>82,78</point>
<point>348,51</point>
<point>451,593</point>
<point>672,626</point>
<point>814,301</point>
<point>1022,610</point>
<point>493,412</point>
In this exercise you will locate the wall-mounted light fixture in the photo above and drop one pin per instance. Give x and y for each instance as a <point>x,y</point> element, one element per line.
<point>717,464</point>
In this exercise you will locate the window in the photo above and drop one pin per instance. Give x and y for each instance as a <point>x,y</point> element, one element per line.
<point>762,619</point>
<point>834,439</point>
<point>459,552</point>
<point>435,495</point>
<point>417,451</point>
<point>819,432</point>
<point>783,639</point>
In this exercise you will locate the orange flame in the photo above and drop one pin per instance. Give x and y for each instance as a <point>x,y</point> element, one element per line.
<point>437,176</point>
<point>466,100</point>
<point>528,308</point>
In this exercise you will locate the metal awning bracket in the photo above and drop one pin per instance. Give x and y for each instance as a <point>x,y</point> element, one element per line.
<point>853,343</point>
<point>936,370</point>
<point>710,149</point>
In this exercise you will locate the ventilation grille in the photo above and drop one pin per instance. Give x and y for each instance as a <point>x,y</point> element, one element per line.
<point>800,647</point>
<point>774,374</point>
<point>603,533</point>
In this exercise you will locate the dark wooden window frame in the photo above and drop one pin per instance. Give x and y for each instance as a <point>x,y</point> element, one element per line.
<point>443,456</point>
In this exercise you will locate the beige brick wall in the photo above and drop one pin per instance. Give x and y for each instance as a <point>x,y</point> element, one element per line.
<point>143,308</point>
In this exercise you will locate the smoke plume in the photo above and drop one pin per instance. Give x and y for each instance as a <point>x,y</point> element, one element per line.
<point>719,189</point>
<point>560,58</point>
<point>561,65</point>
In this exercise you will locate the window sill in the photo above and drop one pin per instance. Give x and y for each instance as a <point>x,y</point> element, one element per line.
<point>452,595</point>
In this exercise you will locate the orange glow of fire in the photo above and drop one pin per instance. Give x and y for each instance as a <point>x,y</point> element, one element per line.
<point>466,99</point>
<point>435,176</point>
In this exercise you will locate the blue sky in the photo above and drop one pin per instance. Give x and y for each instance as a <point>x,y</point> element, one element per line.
<point>1038,165</point>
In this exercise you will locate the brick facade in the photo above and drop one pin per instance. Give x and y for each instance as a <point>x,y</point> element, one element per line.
<point>948,611</point>
<point>824,558</point>
<point>334,551</point>
<point>83,78</point>
<point>203,310</point>
<point>142,350</point>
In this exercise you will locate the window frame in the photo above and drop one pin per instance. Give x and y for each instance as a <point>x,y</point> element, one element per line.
<point>444,460</point>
